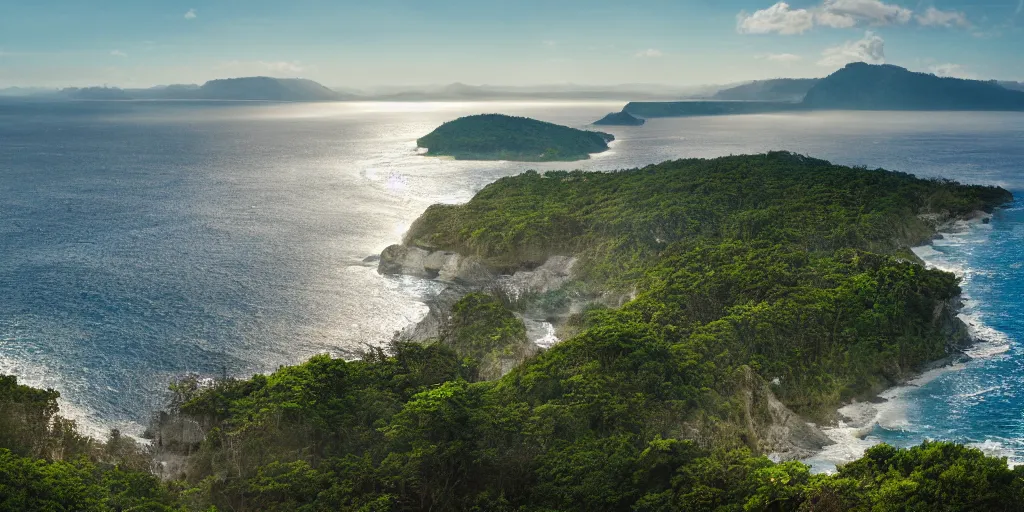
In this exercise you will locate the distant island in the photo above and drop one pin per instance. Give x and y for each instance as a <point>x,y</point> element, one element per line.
<point>856,86</point>
<point>862,86</point>
<point>266,88</point>
<point>620,119</point>
<point>502,137</point>
<point>693,108</point>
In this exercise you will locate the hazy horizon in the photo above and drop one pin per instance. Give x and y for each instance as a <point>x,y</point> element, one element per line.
<point>399,43</point>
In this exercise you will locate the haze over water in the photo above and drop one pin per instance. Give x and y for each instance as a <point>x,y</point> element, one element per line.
<point>141,241</point>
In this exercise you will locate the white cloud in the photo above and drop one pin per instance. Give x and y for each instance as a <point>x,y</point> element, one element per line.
<point>1020,8</point>
<point>283,66</point>
<point>870,49</point>
<point>787,58</point>
<point>874,12</point>
<point>933,17</point>
<point>834,20</point>
<point>118,53</point>
<point>951,70</point>
<point>779,18</point>
<point>264,67</point>
<point>650,53</point>
<point>550,44</point>
<point>191,14</point>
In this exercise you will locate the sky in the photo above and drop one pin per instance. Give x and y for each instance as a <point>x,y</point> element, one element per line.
<point>345,43</point>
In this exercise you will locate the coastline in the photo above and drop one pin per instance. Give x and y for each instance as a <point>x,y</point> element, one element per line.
<point>857,419</point>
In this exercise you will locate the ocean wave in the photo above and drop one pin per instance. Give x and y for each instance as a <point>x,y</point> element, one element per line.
<point>1001,448</point>
<point>978,393</point>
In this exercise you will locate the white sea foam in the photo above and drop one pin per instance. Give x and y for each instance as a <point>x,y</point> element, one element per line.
<point>852,435</point>
<point>1000,448</point>
<point>978,393</point>
<point>39,376</point>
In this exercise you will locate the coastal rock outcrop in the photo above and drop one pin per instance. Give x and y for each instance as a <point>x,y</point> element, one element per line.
<point>441,265</point>
<point>550,276</point>
<point>771,426</point>
<point>466,274</point>
<point>404,260</point>
<point>452,267</point>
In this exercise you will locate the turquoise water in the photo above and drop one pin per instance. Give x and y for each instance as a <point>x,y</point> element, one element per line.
<point>979,402</point>
<point>142,241</point>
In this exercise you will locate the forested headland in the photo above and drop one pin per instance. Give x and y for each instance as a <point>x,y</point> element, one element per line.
<point>751,280</point>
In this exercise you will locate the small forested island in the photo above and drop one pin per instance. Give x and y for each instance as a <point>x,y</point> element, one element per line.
<point>622,118</point>
<point>501,137</point>
<point>723,303</point>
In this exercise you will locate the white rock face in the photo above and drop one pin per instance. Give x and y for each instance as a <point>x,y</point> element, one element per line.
<point>441,265</point>
<point>403,260</point>
<point>550,276</point>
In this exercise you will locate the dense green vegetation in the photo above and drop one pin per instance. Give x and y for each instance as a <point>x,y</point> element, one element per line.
<point>45,464</point>
<point>790,265</point>
<point>620,221</point>
<point>483,329</point>
<point>501,137</point>
<point>408,432</point>
<point>742,270</point>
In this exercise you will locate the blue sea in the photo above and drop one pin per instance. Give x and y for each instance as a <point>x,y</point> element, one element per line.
<point>141,241</point>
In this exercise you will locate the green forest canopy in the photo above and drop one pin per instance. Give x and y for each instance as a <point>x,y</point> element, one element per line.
<point>777,266</point>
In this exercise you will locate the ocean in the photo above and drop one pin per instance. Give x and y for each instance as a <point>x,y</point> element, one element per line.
<point>140,241</point>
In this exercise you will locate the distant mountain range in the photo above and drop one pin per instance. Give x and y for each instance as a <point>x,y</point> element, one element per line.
<point>292,89</point>
<point>856,86</point>
<point>251,88</point>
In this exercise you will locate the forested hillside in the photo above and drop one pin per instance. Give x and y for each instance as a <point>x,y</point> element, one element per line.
<point>751,278</point>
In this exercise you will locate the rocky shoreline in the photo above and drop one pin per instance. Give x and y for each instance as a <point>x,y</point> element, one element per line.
<point>859,416</point>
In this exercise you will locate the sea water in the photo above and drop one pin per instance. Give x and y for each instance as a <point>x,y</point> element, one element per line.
<point>140,241</point>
